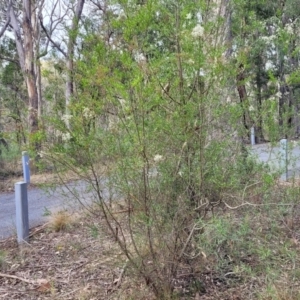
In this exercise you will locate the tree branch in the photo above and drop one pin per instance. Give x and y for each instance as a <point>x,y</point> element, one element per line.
<point>9,59</point>
<point>51,40</point>
<point>5,26</point>
<point>14,23</point>
<point>7,21</point>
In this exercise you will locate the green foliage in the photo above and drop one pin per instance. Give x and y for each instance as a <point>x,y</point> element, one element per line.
<point>10,159</point>
<point>156,104</point>
<point>151,109</point>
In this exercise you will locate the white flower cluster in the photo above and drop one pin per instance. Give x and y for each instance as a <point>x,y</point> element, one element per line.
<point>157,158</point>
<point>198,31</point>
<point>188,16</point>
<point>65,136</point>
<point>122,102</point>
<point>268,39</point>
<point>87,113</point>
<point>191,62</point>
<point>289,28</point>
<point>42,154</point>
<point>251,108</point>
<point>66,118</point>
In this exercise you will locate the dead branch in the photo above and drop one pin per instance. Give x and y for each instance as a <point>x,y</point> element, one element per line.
<point>253,204</point>
<point>188,240</point>
<point>18,278</point>
<point>119,280</point>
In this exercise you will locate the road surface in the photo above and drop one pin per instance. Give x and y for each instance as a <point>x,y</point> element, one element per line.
<point>40,203</point>
<point>273,155</point>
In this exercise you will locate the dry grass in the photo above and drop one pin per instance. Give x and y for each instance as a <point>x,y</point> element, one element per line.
<point>61,220</point>
<point>71,264</point>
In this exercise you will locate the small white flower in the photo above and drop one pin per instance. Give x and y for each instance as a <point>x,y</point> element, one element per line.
<point>278,95</point>
<point>188,16</point>
<point>122,102</point>
<point>87,113</point>
<point>157,158</point>
<point>58,133</point>
<point>289,29</point>
<point>41,154</point>
<point>66,136</point>
<point>121,16</point>
<point>265,38</point>
<point>268,39</point>
<point>66,118</point>
<point>201,72</point>
<point>198,31</point>
<point>251,108</point>
<point>140,58</point>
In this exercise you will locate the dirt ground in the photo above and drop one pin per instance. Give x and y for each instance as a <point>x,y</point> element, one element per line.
<point>81,263</point>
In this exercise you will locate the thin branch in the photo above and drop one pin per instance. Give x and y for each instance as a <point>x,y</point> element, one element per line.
<point>188,240</point>
<point>8,19</point>
<point>254,204</point>
<point>5,26</point>
<point>50,39</point>
<point>99,6</point>
<point>9,59</point>
<point>118,281</point>
<point>16,277</point>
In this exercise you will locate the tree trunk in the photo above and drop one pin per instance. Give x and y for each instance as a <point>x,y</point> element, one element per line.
<point>25,49</point>
<point>243,100</point>
<point>70,55</point>
<point>259,97</point>
<point>29,71</point>
<point>37,65</point>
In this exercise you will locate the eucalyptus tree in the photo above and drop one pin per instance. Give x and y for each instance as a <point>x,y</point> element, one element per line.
<point>20,19</point>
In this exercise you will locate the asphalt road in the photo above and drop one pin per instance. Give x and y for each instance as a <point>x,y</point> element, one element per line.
<point>274,156</point>
<point>40,203</point>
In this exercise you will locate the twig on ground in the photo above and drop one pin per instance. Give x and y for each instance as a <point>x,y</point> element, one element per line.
<point>41,281</point>
<point>37,230</point>
<point>253,204</point>
<point>119,280</point>
<point>17,277</point>
<point>70,293</point>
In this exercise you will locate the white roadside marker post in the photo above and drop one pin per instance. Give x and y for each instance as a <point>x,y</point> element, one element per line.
<point>284,157</point>
<point>22,220</point>
<point>252,136</point>
<point>26,169</point>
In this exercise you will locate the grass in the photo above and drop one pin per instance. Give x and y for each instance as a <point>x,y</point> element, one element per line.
<point>60,221</point>
<point>246,253</point>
